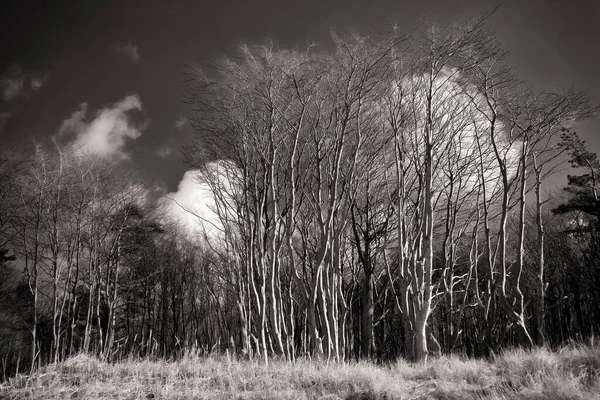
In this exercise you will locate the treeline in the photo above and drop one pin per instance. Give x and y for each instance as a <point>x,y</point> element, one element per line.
<point>383,198</point>
<point>90,263</point>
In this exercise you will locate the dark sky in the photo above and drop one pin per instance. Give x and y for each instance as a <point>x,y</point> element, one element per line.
<point>63,54</point>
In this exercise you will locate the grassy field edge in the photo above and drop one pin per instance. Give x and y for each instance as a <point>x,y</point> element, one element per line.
<point>571,373</point>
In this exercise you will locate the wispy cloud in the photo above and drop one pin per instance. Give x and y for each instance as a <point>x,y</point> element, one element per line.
<point>130,51</point>
<point>12,88</point>
<point>108,133</point>
<point>164,151</point>
<point>17,83</point>
<point>181,121</point>
<point>36,83</point>
<point>167,149</point>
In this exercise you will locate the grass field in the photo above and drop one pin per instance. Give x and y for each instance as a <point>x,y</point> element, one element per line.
<point>572,373</point>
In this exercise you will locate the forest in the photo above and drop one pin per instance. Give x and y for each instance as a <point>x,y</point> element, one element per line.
<point>375,198</point>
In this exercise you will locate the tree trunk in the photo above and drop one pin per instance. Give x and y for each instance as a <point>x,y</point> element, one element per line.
<point>367,318</point>
<point>541,285</point>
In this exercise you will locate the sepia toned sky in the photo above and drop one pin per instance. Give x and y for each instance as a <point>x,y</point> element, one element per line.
<point>110,72</point>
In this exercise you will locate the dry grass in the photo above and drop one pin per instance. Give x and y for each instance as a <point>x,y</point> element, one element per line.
<point>573,373</point>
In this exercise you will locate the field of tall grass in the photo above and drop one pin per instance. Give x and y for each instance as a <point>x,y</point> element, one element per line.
<point>572,373</point>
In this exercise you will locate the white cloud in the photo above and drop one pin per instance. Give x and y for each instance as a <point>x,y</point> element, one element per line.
<point>181,121</point>
<point>107,134</point>
<point>36,83</point>
<point>16,83</point>
<point>164,151</point>
<point>131,51</point>
<point>12,88</point>
<point>192,205</point>
<point>75,123</point>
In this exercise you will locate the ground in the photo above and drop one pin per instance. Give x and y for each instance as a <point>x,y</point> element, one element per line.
<point>571,373</point>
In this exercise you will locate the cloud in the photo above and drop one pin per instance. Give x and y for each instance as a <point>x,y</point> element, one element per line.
<point>36,83</point>
<point>108,133</point>
<point>76,123</point>
<point>17,83</point>
<point>12,88</point>
<point>192,205</point>
<point>131,51</point>
<point>181,121</point>
<point>164,151</point>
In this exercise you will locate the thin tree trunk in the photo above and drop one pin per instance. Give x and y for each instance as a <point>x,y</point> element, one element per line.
<point>541,289</point>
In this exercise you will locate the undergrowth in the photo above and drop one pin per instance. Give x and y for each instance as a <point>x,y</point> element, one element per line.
<point>572,374</point>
